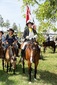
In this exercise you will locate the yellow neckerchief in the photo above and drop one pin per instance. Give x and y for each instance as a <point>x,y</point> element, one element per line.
<point>10,35</point>
<point>30,29</point>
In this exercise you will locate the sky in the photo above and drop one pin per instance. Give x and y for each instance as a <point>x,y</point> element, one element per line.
<point>11,10</point>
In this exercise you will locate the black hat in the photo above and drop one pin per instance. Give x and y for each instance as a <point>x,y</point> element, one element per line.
<point>2,32</point>
<point>29,21</point>
<point>11,30</point>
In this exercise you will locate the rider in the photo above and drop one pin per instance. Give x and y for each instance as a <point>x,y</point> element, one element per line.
<point>1,33</point>
<point>48,38</point>
<point>11,39</point>
<point>2,37</point>
<point>29,33</point>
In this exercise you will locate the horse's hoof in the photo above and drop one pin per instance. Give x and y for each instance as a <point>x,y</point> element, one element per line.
<point>30,82</point>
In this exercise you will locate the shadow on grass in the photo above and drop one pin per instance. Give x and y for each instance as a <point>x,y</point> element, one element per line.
<point>4,78</point>
<point>45,76</point>
<point>48,77</point>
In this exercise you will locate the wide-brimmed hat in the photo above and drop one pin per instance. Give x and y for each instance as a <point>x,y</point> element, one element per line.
<point>11,30</point>
<point>2,32</point>
<point>29,21</point>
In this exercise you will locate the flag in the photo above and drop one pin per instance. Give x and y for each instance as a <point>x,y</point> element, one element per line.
<point>28,14</point>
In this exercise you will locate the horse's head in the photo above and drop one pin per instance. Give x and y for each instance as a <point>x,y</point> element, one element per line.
<point>11,52</point>
<point>33,50</point>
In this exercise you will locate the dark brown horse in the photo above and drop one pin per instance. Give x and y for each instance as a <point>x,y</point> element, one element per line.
<point>49,44</point>
<point>2,53</point>
<point>32,55</point>
<point>10,58</point>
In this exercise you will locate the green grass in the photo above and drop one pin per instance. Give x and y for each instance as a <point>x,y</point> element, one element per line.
<point>46,73</point>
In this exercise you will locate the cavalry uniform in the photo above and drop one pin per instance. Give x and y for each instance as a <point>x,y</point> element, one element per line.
<point>29,33</point>
<point>11,40</point>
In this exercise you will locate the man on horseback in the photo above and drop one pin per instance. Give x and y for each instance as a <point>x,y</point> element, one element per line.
<point>2,38</point>
<point>11,40</point>
<point>29,33</point>
<point>1,35</point>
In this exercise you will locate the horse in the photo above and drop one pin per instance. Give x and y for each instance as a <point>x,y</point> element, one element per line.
<point>49,44</point>
<point>10,57</point>
<point>2,53</point>
<point>32,55</point>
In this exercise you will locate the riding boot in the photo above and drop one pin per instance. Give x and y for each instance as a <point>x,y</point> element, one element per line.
<point>22,53</point>
<point>17,52</point>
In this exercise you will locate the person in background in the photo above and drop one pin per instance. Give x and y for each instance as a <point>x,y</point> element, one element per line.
<point>48,38</point>
<point>1,34</point>
<point>11,40</point>
<point>2,37</point>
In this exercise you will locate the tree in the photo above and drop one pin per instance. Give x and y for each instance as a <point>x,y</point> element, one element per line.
<point>1,21</point>
<point>19,31</point>
<point>7,24</point>
<point>14,26</point>
<point>45,9</point>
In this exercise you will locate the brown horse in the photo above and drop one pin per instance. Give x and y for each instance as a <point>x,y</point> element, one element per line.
<point>49,44</point>
<point>10,58</point>
<point>2,53</point>
<point>32,55</point>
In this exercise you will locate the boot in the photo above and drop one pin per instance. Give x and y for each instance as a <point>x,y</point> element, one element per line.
<point>22,53</point>
<point>17,51</point>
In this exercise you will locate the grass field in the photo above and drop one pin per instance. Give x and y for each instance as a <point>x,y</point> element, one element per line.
<point>46,74</point>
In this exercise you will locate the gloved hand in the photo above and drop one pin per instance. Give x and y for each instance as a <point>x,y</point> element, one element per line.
<point>27,37</point>
<point>22,39</point>
<point>6,42</point>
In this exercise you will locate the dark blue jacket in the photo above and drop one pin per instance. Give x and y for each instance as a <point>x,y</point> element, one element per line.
<point>11,39</point>
<point>26,32</point>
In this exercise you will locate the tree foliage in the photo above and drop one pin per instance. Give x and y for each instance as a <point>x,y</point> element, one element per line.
<point>1,21</point>
<point>45,10</point>
<point>14,26</point>
<point>4,24</point>
<point>7,24</point>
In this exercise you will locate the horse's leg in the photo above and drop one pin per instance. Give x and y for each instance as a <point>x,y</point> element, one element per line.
<point>3,63</point>
<point>23,66</point>
<point>35,70</point>
<point>54,48</point>
<point>29,70</point>
<point>10,66</point>
<point>7,66</point>
<point>14,66</point>
<point>44,49</point>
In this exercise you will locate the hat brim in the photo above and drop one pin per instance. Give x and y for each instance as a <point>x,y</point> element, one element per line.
<point>10,30</point>
<point>29,23</point>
